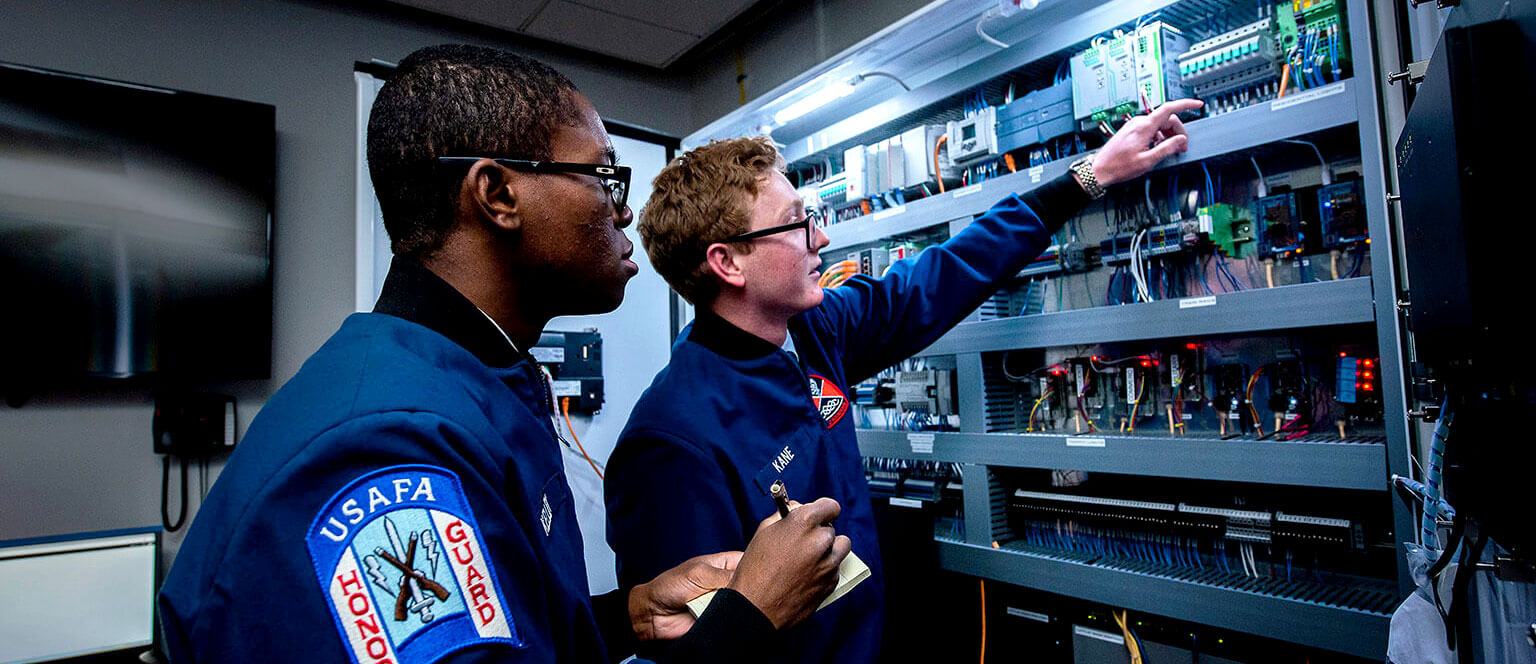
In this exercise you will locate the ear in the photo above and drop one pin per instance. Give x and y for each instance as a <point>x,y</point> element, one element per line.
<point>723,263</point>
<point>489,193</point>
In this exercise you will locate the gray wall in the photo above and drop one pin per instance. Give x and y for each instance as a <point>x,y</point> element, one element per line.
<point>74,463</point>
<point>794,37</point>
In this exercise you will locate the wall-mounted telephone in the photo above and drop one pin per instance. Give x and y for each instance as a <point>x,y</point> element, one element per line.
<point>194,424</point>
<point>191,426</point>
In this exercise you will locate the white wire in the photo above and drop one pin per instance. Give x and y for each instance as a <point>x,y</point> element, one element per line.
<point>1263,188</point>
<point>985,16</point>
<point>1143,294</point>
<point>1327,173</point>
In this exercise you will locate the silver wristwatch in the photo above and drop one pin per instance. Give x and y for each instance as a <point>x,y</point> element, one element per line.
<point>1084,170</point>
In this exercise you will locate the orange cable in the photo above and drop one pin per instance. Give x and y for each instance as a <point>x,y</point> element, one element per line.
<point>938,174</point>
<point>983,621</point>
<point>1285,79</point>
<point>565,409</point>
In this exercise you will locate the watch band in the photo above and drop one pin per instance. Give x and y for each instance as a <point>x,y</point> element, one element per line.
<point>1084,169</point>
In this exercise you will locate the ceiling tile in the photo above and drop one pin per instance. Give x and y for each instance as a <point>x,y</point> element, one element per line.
<point>699,18</point>
<point>609,33</point>
<point>503,14</point>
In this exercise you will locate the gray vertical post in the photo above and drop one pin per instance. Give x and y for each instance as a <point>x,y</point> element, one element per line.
<point>972,397</point>
<point>978,504</point>
<point>1390,339</point>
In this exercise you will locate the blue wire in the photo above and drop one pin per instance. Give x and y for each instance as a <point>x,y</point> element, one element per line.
<point>1317,71</point>
<point>1306,56</point>
<point>1333,53</point>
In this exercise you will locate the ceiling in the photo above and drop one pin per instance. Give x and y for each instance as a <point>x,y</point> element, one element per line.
<point>649,32</point>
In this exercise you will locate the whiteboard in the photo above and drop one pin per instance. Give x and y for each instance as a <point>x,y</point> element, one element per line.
<point>75,598</point>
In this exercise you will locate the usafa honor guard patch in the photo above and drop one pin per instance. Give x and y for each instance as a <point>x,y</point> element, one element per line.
<point>404,569</point>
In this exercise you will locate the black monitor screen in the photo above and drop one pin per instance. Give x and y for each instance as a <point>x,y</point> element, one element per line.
<point>135,231</point>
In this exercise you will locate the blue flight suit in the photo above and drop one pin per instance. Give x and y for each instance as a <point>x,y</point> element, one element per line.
<point>401,499</point>
<point>732,413</point>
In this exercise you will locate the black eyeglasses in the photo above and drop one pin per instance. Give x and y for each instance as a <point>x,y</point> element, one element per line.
<point>616,177</point>
<point>813,219</point>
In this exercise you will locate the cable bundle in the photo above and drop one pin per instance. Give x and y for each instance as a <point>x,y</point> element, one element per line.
<point>840,272</point>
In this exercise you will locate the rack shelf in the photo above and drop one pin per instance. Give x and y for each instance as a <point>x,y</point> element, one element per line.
<point>1304,113</point>
<point>1320,304</point>
<point>1356,463</point>
<point>1347,619</point>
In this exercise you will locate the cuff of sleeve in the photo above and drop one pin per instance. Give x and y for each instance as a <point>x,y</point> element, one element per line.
<point>611,611</point>
<point>733,608</point>
<point>732,629</point>
<point>1057,201</point>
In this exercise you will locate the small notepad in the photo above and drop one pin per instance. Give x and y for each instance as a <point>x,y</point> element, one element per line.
<point>850,573</point>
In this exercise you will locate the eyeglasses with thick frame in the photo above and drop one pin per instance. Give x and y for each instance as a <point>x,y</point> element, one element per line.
<point>813,219</point>
<point>616,178</point>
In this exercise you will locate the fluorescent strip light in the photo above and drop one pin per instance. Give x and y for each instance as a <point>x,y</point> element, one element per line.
<point>820,98</point>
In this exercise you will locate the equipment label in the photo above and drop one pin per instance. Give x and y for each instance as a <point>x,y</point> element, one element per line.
<point>1194,302</point>
<point>1032,615</point>
<point>967,191</point>
<point>565,388</point>
<point>922,443</point>
<point>548,354</point>
<point>1034,174</point>
<point>906,502</point>
<point>1304,97</point>
<point>1082,441</point>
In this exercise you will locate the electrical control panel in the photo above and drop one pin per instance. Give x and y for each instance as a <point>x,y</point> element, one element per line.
<point>930,391</point>
<point>1287,222</point>
<point>1151,337</point>
<point>575,364</point>
<point>1232,60</point>
<point>1127,74</point>
<point>1037,117</point>
<point>1341,214</point>
<point>974,137</point>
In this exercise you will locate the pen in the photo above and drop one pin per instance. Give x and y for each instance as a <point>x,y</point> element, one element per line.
<point>780,497</point>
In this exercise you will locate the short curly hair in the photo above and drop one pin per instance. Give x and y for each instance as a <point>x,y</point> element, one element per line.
<point>455,100</point>
<point>699,199</point>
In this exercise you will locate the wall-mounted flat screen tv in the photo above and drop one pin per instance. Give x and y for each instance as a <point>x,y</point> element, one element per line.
<point>135,231</point>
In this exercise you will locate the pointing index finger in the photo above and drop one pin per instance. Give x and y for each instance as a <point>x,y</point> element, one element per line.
<point>1161,114</point>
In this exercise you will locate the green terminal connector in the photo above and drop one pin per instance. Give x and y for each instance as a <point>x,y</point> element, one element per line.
<point>1229,231</point>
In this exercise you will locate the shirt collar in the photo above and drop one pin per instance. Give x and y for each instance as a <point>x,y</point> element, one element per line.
<point>416,294</point>
<point>721,336</point>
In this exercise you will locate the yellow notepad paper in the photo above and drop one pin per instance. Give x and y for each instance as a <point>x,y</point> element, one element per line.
<point>850,573</point>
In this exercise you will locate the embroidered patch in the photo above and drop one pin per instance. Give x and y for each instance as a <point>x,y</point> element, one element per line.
<point>401,562</point>
<point>829,400</point>
<point>546,515</point>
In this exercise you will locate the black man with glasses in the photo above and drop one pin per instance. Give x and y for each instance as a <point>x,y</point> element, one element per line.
<point>402,498</point>
<point>758,387</point>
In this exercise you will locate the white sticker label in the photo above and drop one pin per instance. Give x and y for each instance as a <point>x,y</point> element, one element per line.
<point>1032,615</point>
<point>1035,172</point>
<point>1096,634</point>
<point>565,388</point>
<point>1304,97</point>
<point>906,502</point>
<point>967,191</point>
<point>1175,217</point>
<point>922,443</point>
<point>1193,302</point>
<point>548,354</point>
<point>888,212</point>
<point>1081,441</point>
